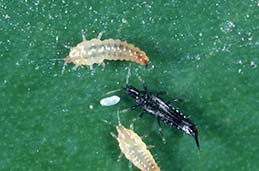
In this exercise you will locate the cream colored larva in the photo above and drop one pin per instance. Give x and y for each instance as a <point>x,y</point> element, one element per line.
<point>95,51</point>
<point>134,149</point>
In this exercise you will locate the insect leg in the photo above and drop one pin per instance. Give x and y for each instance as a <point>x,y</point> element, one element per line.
<point>178,100</point>
<point>131,108</point>
<point>108,122</point>
<point>144,136</point>
<point>119,157</point>
<point>160,130</point>
<point>161,93</point>
<point>100,35</point>
<point>143,82</point>
<point>145,86</point>
<point>130,166</point>
<point>128,75</point>
<point>141,114</point>
<point>90,67</point>
<point>63,68</point>
<point>102,64</point>
<point>135,106</point>
<point>137,118</point>
<point>174,100</point>
<point>131,126</point>
<point>83,35</point>
<point>68,47</point>
<point>150,146</point>
<point>75,67</point>
<point>113,135</point>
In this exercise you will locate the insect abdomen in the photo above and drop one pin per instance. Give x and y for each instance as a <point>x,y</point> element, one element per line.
<point>97,50</point>
<point>135,150</point>
<point>141,159</point>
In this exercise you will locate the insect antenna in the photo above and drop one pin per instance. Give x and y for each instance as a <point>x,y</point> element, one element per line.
<point>111,92</point>
<point>142,81</point>
<point>119,123</point>
<point>118,116</point>
<point>128,75</point>
<point>110,123</point>
<point>56,59</point>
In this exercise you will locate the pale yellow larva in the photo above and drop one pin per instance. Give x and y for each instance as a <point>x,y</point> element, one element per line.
<point>95,51</point>
<point>135,149</point>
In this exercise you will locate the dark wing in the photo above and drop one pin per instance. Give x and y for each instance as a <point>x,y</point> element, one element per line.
<point>169,114</point>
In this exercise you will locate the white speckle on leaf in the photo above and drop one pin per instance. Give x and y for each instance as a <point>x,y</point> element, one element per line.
<point>36,3</point>
<point>64,110</point>
<point>240,62</point>
<point>124,21</point>
<point>6,16</point>
<point>197,57</point>
<point>227,26</point>
<point>5,81</point>
<point>253,64</point>
<point>110,101</point>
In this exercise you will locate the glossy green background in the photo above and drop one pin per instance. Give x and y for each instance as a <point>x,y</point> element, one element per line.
<point>205,52</point>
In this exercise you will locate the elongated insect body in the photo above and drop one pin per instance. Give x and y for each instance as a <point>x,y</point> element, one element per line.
<point>135,149</point>
<point>95,51</point>
<point>156,106</point>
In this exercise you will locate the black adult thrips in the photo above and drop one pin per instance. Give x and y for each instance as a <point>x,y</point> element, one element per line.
<point>156,106</point>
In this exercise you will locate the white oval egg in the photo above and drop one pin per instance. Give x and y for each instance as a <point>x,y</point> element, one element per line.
<point>110,101</point>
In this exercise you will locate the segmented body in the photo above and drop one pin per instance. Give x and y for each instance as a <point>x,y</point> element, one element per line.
<point>95,51</point>
<point>156,106</point>
<point>135,149</point>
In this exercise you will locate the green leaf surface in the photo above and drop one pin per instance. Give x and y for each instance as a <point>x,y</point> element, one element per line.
<point>205,52</point>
